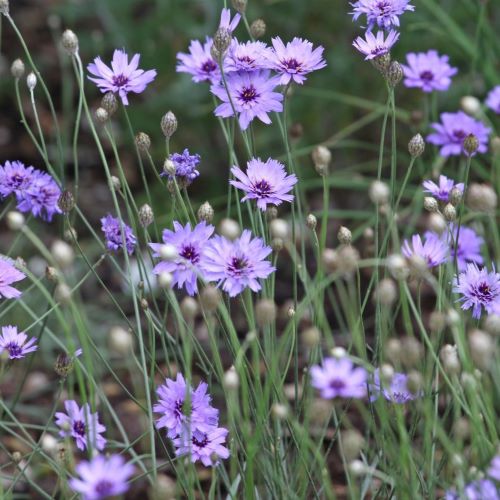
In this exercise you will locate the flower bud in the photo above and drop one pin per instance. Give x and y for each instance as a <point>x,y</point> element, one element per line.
<point>279,411</point>
<point>471,105</point>
<point>386,374</point>
<point>258,28</point>
<point>49,444</point>
<point>357,468</point>
<point>146,215</point>
<point>431,204</point>
<point>143,302</point>
<point>330,260</point>
<point>450,212</point>
<point>279,229</point>
<point>64,365</point>
<point>482,198</point>
<point>437,321</point>
<point>17,69</point>
<point>321,157</point>
<point>449,358</point>
<point>116,185</point>
<point>51,274</point>
<point>205,212</point>
<point>271,213</point>
<point>66,201</point>
<point>101,115</point>
<point>231,379</point>
<point>277,244</point>
<point>348,259</point>
<point>210,298</point>
<point>471,144</point>
<point>352,443</point>
<point>386,292</point>
<point>338,352</point>
<point>240,5</point>
<point>436,223</point>
<point>121,340</point>
<point>165,280</point>
<point>169,124</point>
<point>415,382</point>
<point>311,222</point>
<point>416,146</point>
<point>379,192</point>
<point>63,253</point>
<point>412,351</point>
<point>109,102</point>
<point>393,349</point>
<point>398,267</point>
<point>189,308</point>
<point>382,62</point>
<point>229,228</point>
<point>492,324</point>
<point>69,42</point>
<point>482,348</point>
<point>142,141</point>
<point>344,236</point>
<point>311,337</point>
<point>456,196</point>
<point>394,74</point>
<point>4,7</point>
<point>265,312</point>
<point>221,42</point>
<point>15,220</point>
<point>168,252</point>
<point>31,81</point>
<point>494,143</point>
<point>169,167</point>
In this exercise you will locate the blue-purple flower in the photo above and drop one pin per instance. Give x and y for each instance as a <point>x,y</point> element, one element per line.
<point>112,228</point>
<point>123,76</point>
<point>395,391</point>
<point>428,71</point>
<point>381,13</point>
<point>442,190</point>
<point>189,243</point>
<point>82,425</point>
<point>433,250</point>
<point>494,469</point>
<point>467,248</point>
<point>268,182</point>
<point>15,343</point>
<point>252,95</point>
<point>249,56</point>
<point>102,477</point>
<point>8,275</point>
<point>295,59</point>
<point>479,289</point>
<point>373,46</point>
<point>237,264</point>
<point>483,489</point>
<point>185,167</point>
<point>453,129</point>
<point>199,62</point>
<point>226,22</point>
<point>493,99</point>
<point>339,378</point>
<point>15,178</point>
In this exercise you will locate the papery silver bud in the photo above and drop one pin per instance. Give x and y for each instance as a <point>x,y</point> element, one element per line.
<point>450,212</point>
<point>240,5</point>
<point>146,215</point>
<point>101,115</point>
<point>344,235</point>
<point>143,141</point>
<point>169,124</point>
<point>4,7</point>
<point>17,69</point>
<point>431,204</point>
<point>69,42</point>
<point>206,212</point>
<point>311,222</point>
<point>31,81</point>
<point>416,146</point>
<point>258,28</point>
<point>221,42</point>
<point>394,74</point>
<point>109,102</point>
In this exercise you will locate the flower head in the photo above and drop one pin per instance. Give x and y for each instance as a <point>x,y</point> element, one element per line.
<point>266,182</point>
<point>483,489</point>
<point>252,95</point>
<point>451,132</point>
<point>15,344</point>
<point>82,425</point>
<point>8,275</point>
<point>199,62</point>
<point>478,289</point>
<point>396,391</point>
<point>226,22</point>
<point>123,77</point>
<point>185,167</point>
<point>189,243</point>
<point>102,477</point>
<point>237,264</point>
<point>428,71</point>
<point>442,190</point>
<point>249,56</point>
<point>494,469</point>
<point>15,178</point>
<point>40,196</point>
<point>112,228</point>
<point>295,59</point>
<point>493,99</point>
<point>433,249</point>
<point>375,46</point>
<point>339,378</point>
<point>383,13</point>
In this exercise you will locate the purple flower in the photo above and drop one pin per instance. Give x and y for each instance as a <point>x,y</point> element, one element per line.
<point>199,62</point>
<point>82,425</point>
<point>8,275</point>
<point>251,94</point>
<point>468,247</point>
<point>493,99</point>
<point>433,250</point>
<point>171,398</point>
<point>395,391</point>
<point>383,13</point>
<point>185,167</point>
<point>123,77</point>
<point>375,46</point>
<point>249,56</point>
<point>428,71</point>
<point>295,59</point>
<point>15,344</point>
<point>102,477</point>
<point>494,470</point>
<point>203,446</point>
<point>339,378</point>
<point>483,489</point>
<point>442,190</point>
<point>237,264</point>
<point>225,20</point>
<point>265,182</point>
<point>478,289</point>
<point>453,129</point>
<point>112,228</point>
<point>15,178</point>
<point>189,243</point>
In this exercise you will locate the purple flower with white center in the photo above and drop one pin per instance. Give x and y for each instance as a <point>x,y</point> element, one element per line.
<point>237,264</point>
<point>339,378</point>
<point>15,344</point>
<point>375,46</point>
<point>395,391</point>
<point>199,62</point>
<point>268,182</point>
<point>295,59</point>
<point>189,243</point>
<point>478,289</point>
<point>494,470</point>
<point>40,196</point>
<point>468,247</point>
<point>428,71</point>
<point>225,20</point>
<point>185,167</point>
<point>249,56</point>
<point>123,77</point>
<point>203,445</point>
<point>15,178</point>
<point>252,95</point>
<point>8,275</point>
<point>102,477</point>
<point>483,489</point>
<point>433,249</point>
<point>442,190</point>
<point>171,398</point>
<point>112,228</point>
<point>453,129</point>
<point>82,425</point>
<point>383,13</point>
<point>493,99</point>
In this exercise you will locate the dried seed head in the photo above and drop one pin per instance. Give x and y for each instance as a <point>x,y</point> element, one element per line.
<point>17,69</point>
<point>168,252</point>
<point>144,303</point>
<point>411,353</point>
<point>49,444</point>
<point>471,144</point>
<point>492,324</point>
<point>482,198</point>
<point>271,213</point>
<point>31,81</point>
<point>418,266</point>
<point>482,348</point>
<point>449,357</point>
<point>258,28</point>
<point>277,244</point>
<point>279,229</point>
<point>416,146</point>
<point>379,192</point>
<point>265,312</point>
<point>115,183</point>
<point>352,443</point>
<point>311,222</point>
<point>62,253</point>
<point>386,292</point>
<point>165,280</point>
<point>436,223</point>
<point>311,337</point>
<point>437,321</point>
<point>143,141</point>
<point>169,167</point>
<point>109,102</point>
<point>66,201</point>
<point>229,228</point>
<point>121,340</point>
<point>393,349</point>
<point>279,411</point>
<point>344,236</point>
<point>382,63</point>
<point>431,204</point>
<point>471,105</point>
<point>450,212</point>
<point>169,124</point>
<point>69,41</point>
<point>146,215</point>
<point>398,267</point>
<point>386,373</point>
<point>456,196</point>
<point>240,5</point>
<point>330,260</point>
<point>394,74</point>
<point>210,298</point>
<point>348,259</point>
<point>231,379</point>
<point>51,274</point>
<point>415,382</point>
<point>17,457</point>
<point>321,157</point>
<point>4,7</point>
<point>15,220</point>
<point>64,365</point>
<point>221,42</point>
<point>101,115</point>
<point>206,212</point>
<point>189,308</point>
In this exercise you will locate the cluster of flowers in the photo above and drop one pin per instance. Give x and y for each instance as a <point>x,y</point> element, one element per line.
<point>35,191</point>
<point>240,73</point>
<point>191,422</point>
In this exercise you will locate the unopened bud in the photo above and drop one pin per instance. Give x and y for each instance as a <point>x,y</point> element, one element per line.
<point>265,312</point>
<point>279,411</point>
<point>338,352</point>
<point>344,236</point>
<point>240,5</point>
<point>169,124</point>
<point>210,298</point>
<point>51,274</point>
<point>169,167</point>
<point>116,185</point>
<point>4,7</point>
<point>109,102</point>
<point>121,340</point>
<point>471,105</point>
<point>411,352</point>
<point>393,350</point>
<point>436,223</point>
<point>449,358</point>
<point>492,324</point>
<point>63,253</point>
<point>17,69</point>
<point>143,141</point>
<point>482,198</point>
<point>348,259</point>
<point>311,337</point>
<point>17,457</point>
<point>69,41</point>
<point>271,213</point>
<point>31,81</point>
<point>382,62</point>
<point>165,280</point>
<point>64,365</point>
<point>415,382</point>
<point>437,321</point>
<point>386,292</point>
<point>379,192</point>
<point>279,229</point>
<point>456,196</point>
<point>481,348</point>
<point>66,201</point>
<point>311,222</point>
<point>258,28</point>
<point>330,260</point>
<point>168,252</point>
<point>189,308</point>
<point>101,115</point>
<point>231,379</point>
<point>471,144</point>
<point>144,304</point>
<point>277,244</point>
<point>229,228</point>
<point>450,212</point>
<point>206,212</point>
<point>431,204</point>
<point>62,293</point>
<point>394,74</point>
<point>416,146</point>
<point>352,443</point>
<point>221,42</point>
<point>146,215</point>
<point>398,267</point>
<point>358,468</point>
<point>15,220</point>
<point>321,157</point>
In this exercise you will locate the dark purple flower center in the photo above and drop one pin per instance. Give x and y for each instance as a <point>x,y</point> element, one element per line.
<point>337,384</point>
<point>208,66</point>
<point>246,59</point>
<point>238,265</point>
<point>383,7</point>
<point>79,428</point>
<point>427,75</point>
<point>459,134</point>
<point>484,292</point>
<point>190,253</point>
<point>179,404</point>
<point>292,64</point>
<point>248,94</point>
<point>202,442</point>
<point>15,350</point>
<point>262,187</point>
<point>120,80</point>
<point>104,487</point>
